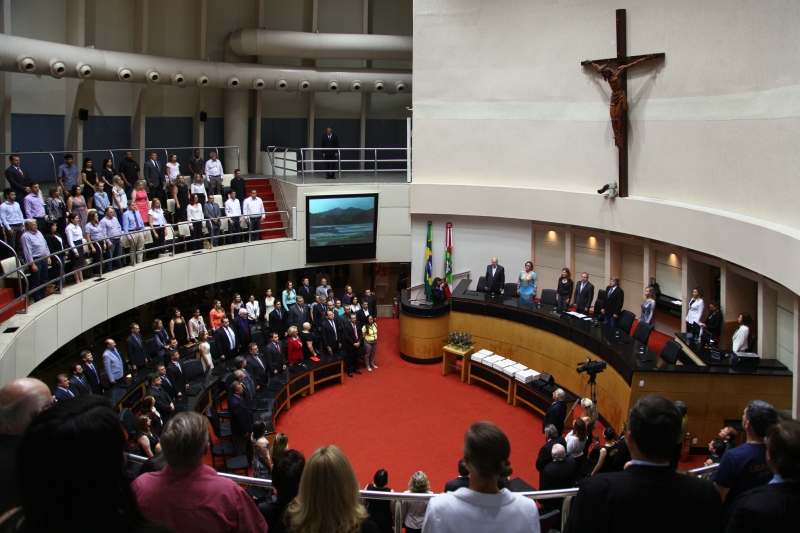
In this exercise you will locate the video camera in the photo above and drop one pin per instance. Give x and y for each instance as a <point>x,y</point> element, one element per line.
<point>592,367</point>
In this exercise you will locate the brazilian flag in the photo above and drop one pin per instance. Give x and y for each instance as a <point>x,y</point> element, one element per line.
<point>429,265</point>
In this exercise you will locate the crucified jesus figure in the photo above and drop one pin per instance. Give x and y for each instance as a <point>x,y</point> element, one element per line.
<point>619,100</point>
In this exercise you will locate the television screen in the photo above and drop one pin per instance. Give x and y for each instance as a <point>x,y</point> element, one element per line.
<point>341,227</point>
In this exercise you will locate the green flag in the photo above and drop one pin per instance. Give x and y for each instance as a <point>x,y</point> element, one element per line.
<point>429,265</point>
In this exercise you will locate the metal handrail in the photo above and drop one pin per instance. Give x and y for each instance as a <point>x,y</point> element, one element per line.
<point>567,494</point>
<point>273,150</point>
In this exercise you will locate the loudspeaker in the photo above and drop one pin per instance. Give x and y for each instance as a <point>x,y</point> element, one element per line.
<point>83,114</point>
<point>203,116</point>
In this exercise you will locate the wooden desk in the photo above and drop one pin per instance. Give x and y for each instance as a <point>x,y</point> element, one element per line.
<point>450,355</point>
<point>493,378</point>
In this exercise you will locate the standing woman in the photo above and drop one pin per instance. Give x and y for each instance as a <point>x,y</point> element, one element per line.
<point>148,409</point>
<point>89,178</point>
<point>648,307</point>
<point>56,209</point>
<point>139,195</point>
<point>289,296</point>
<point>204,349</point>
<point>120,197</point>
<point>158,224</point>
<point>414,510</point>
<point>77,204</point>
<point>576,440</point>
<point>194,214</point>
<point>178,327</point>
<point>381,512</point>
<point>741,338</point>
<point>370,333</point>
<point>354,307</point>
<point>526,284</point>
<point>269,304</point>
<point>236,304</point>
<point>96,238</point>
<point>101,201</point>
<point>261,461</point>
<point>348,296</point>
<point>279,447</point>
<point>75,241</point>
<point>713,323</point>
<point>216,315</point>
<point>180,193</point>
<point>107,173</point>
<point>294,347</point>
<point>196,325</point>
<point>564,290</point>
<point>198,188</point>
<point>146,439</point>
<point>696,308</point>
<point>173,170</point>
<point>253,310</point>
<point>55,244</point>
<point>160,334</point>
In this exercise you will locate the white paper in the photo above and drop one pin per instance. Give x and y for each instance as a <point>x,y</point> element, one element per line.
<point>677,302</point>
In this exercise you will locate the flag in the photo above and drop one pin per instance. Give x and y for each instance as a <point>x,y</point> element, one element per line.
<point>429,265</point>
<point>448,260</point>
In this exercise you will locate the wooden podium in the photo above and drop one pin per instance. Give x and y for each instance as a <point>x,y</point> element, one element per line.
<point>450,355</point>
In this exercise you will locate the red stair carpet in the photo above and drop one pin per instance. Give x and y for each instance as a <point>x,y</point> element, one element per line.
<point>6,296</point>
<point>271,228</point>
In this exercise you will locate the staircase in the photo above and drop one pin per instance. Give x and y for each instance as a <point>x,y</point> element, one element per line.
<point>272,226</point>
<point>7,295</point>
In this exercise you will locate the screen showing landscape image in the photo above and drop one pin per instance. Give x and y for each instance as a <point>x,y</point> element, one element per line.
<point>341,221</point>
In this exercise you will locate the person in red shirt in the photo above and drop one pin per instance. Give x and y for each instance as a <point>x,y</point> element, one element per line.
<point>294,347</point>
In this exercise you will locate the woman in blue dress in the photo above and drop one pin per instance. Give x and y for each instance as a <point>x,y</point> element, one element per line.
<point>526,285</point>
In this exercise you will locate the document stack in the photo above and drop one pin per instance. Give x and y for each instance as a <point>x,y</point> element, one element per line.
<point>480,355</point>
<point>526,376</point>
<point>512,370</point>
<point>500,365</point>
<point>492,359</point>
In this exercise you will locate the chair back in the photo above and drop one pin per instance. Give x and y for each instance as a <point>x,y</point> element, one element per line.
<point>213,419</point>
<point>510,289</point>
<point>751,342</point>
<point>128,421</point>
<point>625,321</point>
<point>481,284</point>
<point>192,369</point>
<point>548,297</point>
<point>642,332</point>
<point>8,264</point>
<point>670,352</point>
<point>151,347</point>
<point>226,381</point>
<point>601,297</point>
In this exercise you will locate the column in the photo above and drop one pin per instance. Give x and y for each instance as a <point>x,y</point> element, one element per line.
<point>237,111</point>
<point>5,86</point>
<point>140,14</point>
<point>569,251</point>
<point>312,103</point>
<point>201,19</point>
<point>767,321</point>
<point>685,290</point>
<point>796,360</point>
<point>74,91</point>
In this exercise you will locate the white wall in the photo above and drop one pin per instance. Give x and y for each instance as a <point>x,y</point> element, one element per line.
<point>785,328</point>
<point>668,273</point>
<point>549,245</point>
<point>631,277</point>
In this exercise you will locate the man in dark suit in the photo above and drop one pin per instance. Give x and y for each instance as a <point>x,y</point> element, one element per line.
<point>241,418</point>
<point>559,474</point>
<point>776,505</point>
<point>318,313</point>
<point>62,391</point>
<point>176,375</point>
<point>495,277</point>
<point>648,495</point>
<point>256,366</point>
<point>305,291</point>
<point>351,341</point>
<point>154,176</point>
<point>331,334</point>
<point>461,481</point>
<point>556,413</point>
<point>372,302</point>
<point>615,298</point>
<point>545,456</point>
<point>20,182</point>
<point>362,314</point>
<point>584,294</point>
<point>164,404</point>
<point>278,320</point>
<point>226,340</point>
<point>166,383</point>
<point>276,361</point>
<point>249,383</point>
<point>299,313</point>
<point>239,187</point>
<point>137,355</point>
<point>77,382</point>
<point>330,142</point>
<point>242,327</point>
<point>90,372</point>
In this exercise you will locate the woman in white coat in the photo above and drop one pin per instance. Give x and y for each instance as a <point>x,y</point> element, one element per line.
<point>741,338</point>
<point>696,308</point>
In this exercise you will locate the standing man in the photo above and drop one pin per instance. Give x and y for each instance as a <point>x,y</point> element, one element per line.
<point>275,359</point>
<point>304,290</point>
<point>137,356</point>
<point>112,362</point>
<point>277,320</point>
<point>556,413</point>
<point>258,370</point>
<point>545,456</point>
<point>331,334</point>
<point>113,233</point>
<point>461,481</point>
<point>214,172</point>
<point>225,340</point>
<point>196,165</point>
<point>371,302</point>
<point>322,290</point>
<point>154,176</point>
<point>90,372</point>
<point>133,225</point>
<point>34,205</point>
<point>129,172</point>
<point>19,180</point>
<point>351,340</point>
<point>299,313</point>
<point>495,278</point>
<point>254,210</point>
<point>212,213</point>
<point>11,217</point>
<point>233,208</point>
<point>78,383</point>
<point>558,474</point>
<point>238,185</point>
<point>175,373</point>
<point>584,294</point>
<point>615,297</point>
<point>330,145</point>
<point>62,391</point>
<point>241,418</point>
<point>35,249</point>
<point>67,175</point>
<point>164,404</point>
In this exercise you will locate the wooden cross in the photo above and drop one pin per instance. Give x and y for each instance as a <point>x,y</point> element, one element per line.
<point>614,72</point>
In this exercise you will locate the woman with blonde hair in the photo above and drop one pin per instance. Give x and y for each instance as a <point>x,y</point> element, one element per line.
<point>414,510</point>
<point>280,446</point>
<point>328,500</point>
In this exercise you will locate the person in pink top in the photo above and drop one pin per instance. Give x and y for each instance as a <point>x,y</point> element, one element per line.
<point>188,495</point>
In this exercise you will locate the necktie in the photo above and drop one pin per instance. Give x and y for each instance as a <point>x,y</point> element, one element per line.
<point>166,380</point>
<point>279,315</point>
<point>117,354</point>
<point>20,171</point>
<point>582,286</point>
<point>139,339</point>
<point>178,366</point>
<point>257,358</point>
<point>611,291</point>
<point>80,378</point>
<point>335,336</point>
<point>355,332</point>
<point>157,167</point>
<point>277,346</point>
<point>70,392</point>
<point>91,366</point>
<point>230,337</point>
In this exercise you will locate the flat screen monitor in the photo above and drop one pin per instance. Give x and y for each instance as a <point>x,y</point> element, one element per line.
<point>342,227</point>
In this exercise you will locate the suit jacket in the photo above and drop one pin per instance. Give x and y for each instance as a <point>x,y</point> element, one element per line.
<point>93,377</point>
<point>546,453</point>
<point>168,386</point>
<point>211,210</point>
<point>238,185</point>
<point>152,175</point>
<point>18,182</point>
<point>557,475</point>
<point>714,325</point>
<point>496,282</point>
<point>276,357</point>
<point>583,299</point>
<point>62,394</point>
<point>319,311</point>
<point>223,343</point>
<point>257,369</point>
<point>350,337</point>
<point>278,323</point>
<point>241,416</point>
<point>177,377</point>
<point>614,301</point>
<point>772,507</point>
<point>113,366</point>
<point>330,335</point>
<point>163,400</point>
<point>555,415</point>
<point>136,351</point>
<point>457,483</point>
<point>242,328</point>
<point>79,387</point>
<point>372,302</point>
<point>361,317</point>
<point>633,501</point>
<point>297,316</point>
<point>333,142</point>
<point>307,293</point>
<point>249,387</point>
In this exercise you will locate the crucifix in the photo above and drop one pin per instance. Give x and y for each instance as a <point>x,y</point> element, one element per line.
<point>617,79</point>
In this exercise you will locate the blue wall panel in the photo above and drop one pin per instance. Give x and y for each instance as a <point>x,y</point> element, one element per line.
<point>387,134</point>
<point>347,129</point>
<point>37,133</point>
<point>165,132</point>
<point>215,136</point>
<point>100,133</point>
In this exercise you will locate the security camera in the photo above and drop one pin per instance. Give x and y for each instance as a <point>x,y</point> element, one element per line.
<point>27,64</point>
<point>57,68</point>
<point>333,86</point>
<point>609,190</point>
<point>259,83</point>
<point>233,82</point>
<point>379,86</point>
<point>281,85</point>
<point>400,87</point>
<point>202,81</point>
<point>84,70</point>
<point>179,79</point>
<point>125,74</point>
<point>153,76</point>
<point>305,85</point>
<point>356,86</point>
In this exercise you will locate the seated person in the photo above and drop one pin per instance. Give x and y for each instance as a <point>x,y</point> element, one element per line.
<point>716,448</point>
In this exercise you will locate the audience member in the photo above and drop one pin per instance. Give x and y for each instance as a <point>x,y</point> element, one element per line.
<point>161,371</point>
<point>137,355</point>
<point>34,206</point>
<point>483,506</point>
<point>253,310</point>
<point>112,363</point>
<point>148,408</point>
<point>129,172</point>
<point>196,325</point>
<point>307,339</point>
<point>741,337</point>
<point>91,373</point>
<point>286,475</point>
<point>276,361</point>
<point>278,320</point>
<point>212,213</point>
<point>552,437</point>
<point>178,327</point>
<point>21,400</point>
<point>77,382</point>
<point>294,347</point>
<point>576,440</point>
<point>414,510</point>
<point>225,339</point>
<point>18,180</point>
<point>113,232</point>
<point>145,437</point>
<point>233,209</point>
<point>153,464</point>
<point>648,495</point>
<point>241,418</point>
<point>556,413</point>
<point>676,454</point>
<point>381,511</point>
<point>133,226</point>
<point>559,474</point>
<point>299,313</point>
<point>55,245</point>
<point>214,172</point>
<point>351,341</point>
<point>605,461</point>
<point>288,296</point>
<point>242,326</point>
<point>256,367</point>
<point>745,467</point>
<point>11,217</point>
<point>304,290</point>
<point>322,290</point>
<point>729,435</point>
<point>715,450</point>
<point>615,299</point>
<point>216,315</point>
<point>331,333</point>
<point>96,240</point>
<point>189,495</point>
<point>253,209</point>
<point>56,209</point>
<point>269,304</point>
<point>564,290</point>
<point>175,373</point>
<point>776,505</point>
<point>696,308</point>
<point>260,464</point>
<point>62,392</point>
<point>158,223</point>
<point>74,233</point>
<point>35,251</point>
<point>623,456</point>
<point>162,400</point>
<point>237,185</point>
<point>462,480</point>
<point>279,446</point>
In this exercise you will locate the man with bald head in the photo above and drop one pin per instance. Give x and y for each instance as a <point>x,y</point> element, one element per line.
<point>20,401</point>
<point>495,277</point>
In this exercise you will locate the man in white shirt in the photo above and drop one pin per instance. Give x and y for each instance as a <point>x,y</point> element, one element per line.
<point>254,210</point>
<point>11,217</point>
<point>233,209</point>
<point>214,175</point>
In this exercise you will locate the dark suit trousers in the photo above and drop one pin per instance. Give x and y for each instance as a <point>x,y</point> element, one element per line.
<point>352,359</point>
<point>330,166</point>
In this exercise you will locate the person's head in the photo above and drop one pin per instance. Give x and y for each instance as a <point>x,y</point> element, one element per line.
<point>100,186</point>
<point>338,304</point>
<point>184,439</point>
<point>528,266</point>
<point>240,361</point>
<point>181,179</point>
<point>648,293</point>
<point>110,213</point>
<point>584,277</point>
<point>288,285</point>
<point>745,319</point>
<point>280,444</point>
<point>783,441</point>
<point>728,433</point>
<point>610,434</point>
<point>614,281</point>
<point>107,162</point>
<point>329,305</point>
<point>588,409</point>
<point>86,356</point>
<point>565,273</point>
<point>35,188</point>
<point>301,301</point>
<point>52,228</point>
<point>135,328</point>
<point>110,344</point>
<point>197,153</point>
<point>75,190</point>
<point>173,158</point>
<point>278,305</point>
<point>381,478</point>
<point>161,370</point>
<point>155,204</point>
<point>486,451</point>
<point>352,318</point>
<point>323,281</point>
<point>129,155</point>
<point>758,417</point>
<point>306,326</point>
<point>236,386</point>
<point>579,428</point>
<point>131,205</point>
<point>143,424</point>
<point>232,195</point>
<point>274,337</point>
<point>214,156</point>
<point>550,432</point>
<point>714,306</point>
<point>419,482</point>
<point>73,438</point>
<point>30,225</point>
<point>202,336</point>
<point>370,320</point>
<point>68,159</point>
<point>716,446</point>
<point>269,293</point>
<point>436,283</point>
<point>14,159</point>
<point>21,400</point>
<point>287,471</point>
<point>462,467</point>
<point>217,304</point>
<point>153,156</point>
<point>75,368</point>
<point>253,348</point>
<point>329,315</point>
<point>87,163</point>
<point>494,261</point>
<point>558,452</point>
<point>73,218</point>
<point>259,429</point>
<point>225,322</point>
<point>354,300</point>
<point>305,280</point>
<point>148,402</point>
<point>237,173</point>
<point>174,356</point>
<point>681,407</point>
<point>62,380</point>
<point>9,194</point>
<point>697,293</point>
<point>176,312</point>
<point>559,395</point>
<point>154,379</point>
<point>253,194</point>
<point>173,343</point>
<point>243,312</point>
<point>654,425</point>
<point>195,199</point>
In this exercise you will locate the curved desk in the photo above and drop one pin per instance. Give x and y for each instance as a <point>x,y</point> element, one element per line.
<point>422,330</point>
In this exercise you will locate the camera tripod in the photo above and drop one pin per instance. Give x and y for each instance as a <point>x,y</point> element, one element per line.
<point>593,392</point>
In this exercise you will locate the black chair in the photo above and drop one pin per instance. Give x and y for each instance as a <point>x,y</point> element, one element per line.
<point>225,386</point>
<point>510,289</point>
<point>222,430</point>
<point>241,462</point>
<point>548,297</point>
<point>751,342</point>
<point>547,521</point>
<point>625,321</point>
<point>223,450</point>
<point>128,421</point>
<point>670,352</point>
<point>642,332</point>
<point>192,369</point>
<point>481,284</point>
<point>599,303</point>
<point>151,348</point>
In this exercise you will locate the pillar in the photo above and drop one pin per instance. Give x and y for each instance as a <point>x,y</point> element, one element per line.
<point>200,23</point>
<point>139,103</point>
<point>5,86</point>
<point>74,90</point>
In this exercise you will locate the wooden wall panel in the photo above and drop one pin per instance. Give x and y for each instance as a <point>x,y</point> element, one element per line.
<point>421,338</point>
